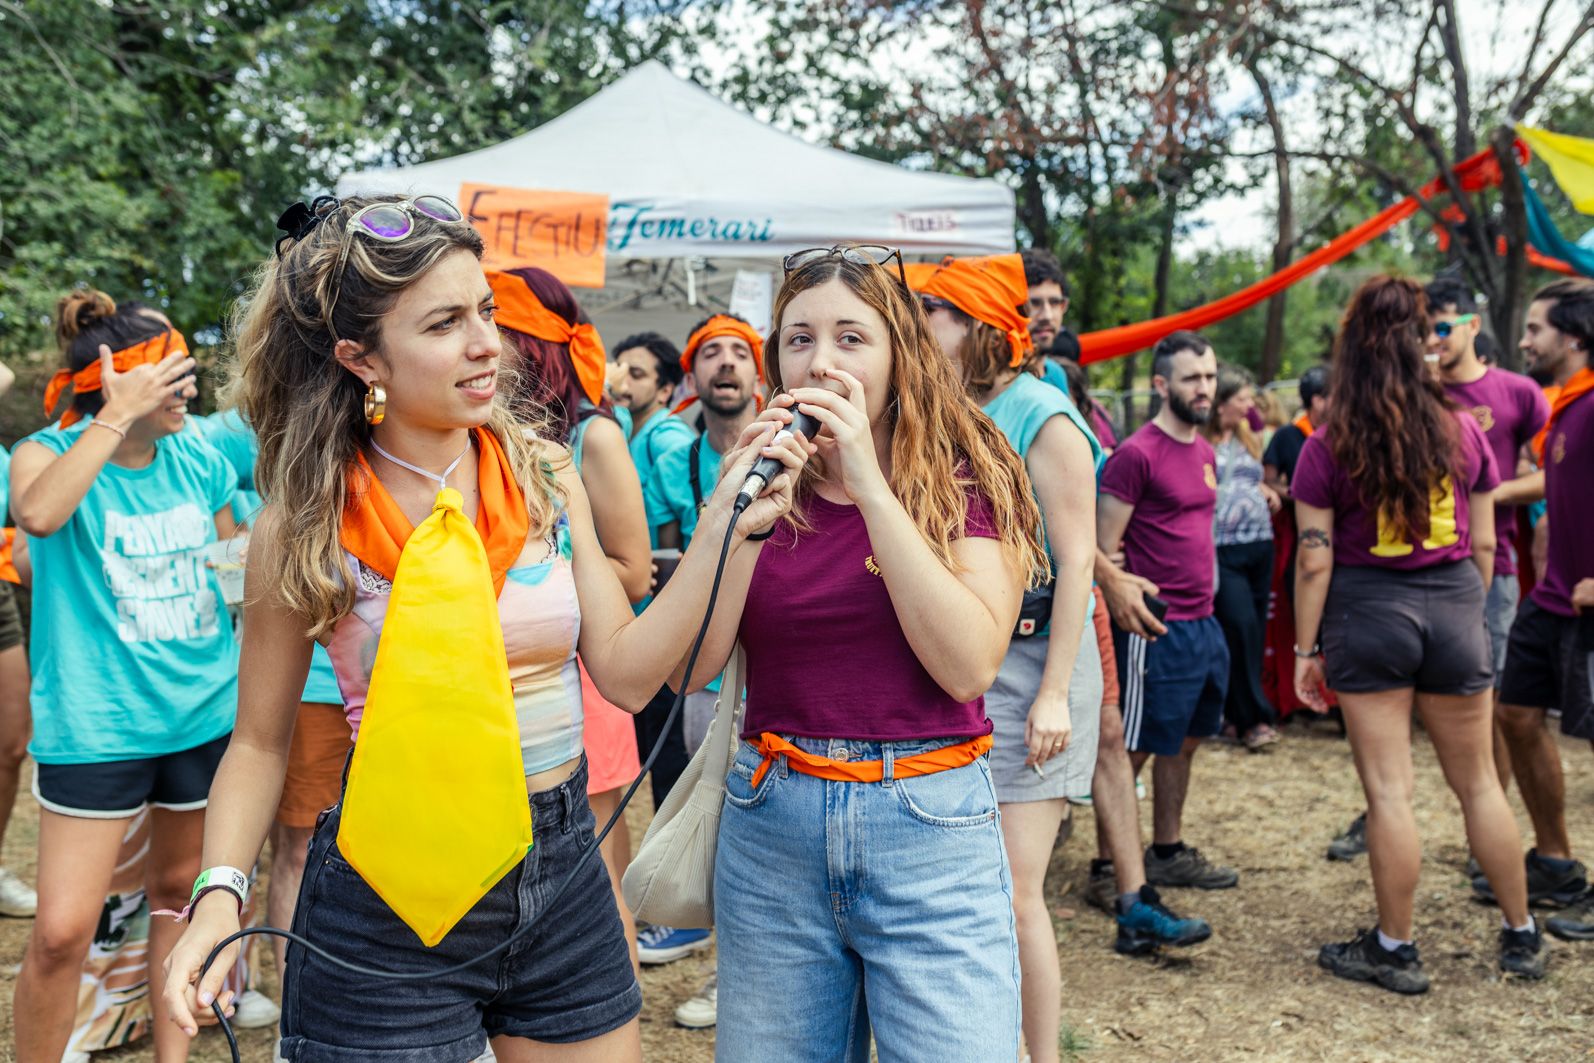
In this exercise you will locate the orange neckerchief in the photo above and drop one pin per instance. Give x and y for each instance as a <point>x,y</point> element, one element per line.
<point>1581,384</point>
<point>990,289</point>
<point>88,378</point>
<point>1304,423</point>
<point>520,309</point>
<point>1551,393</point>
<point>927,763</point>
<point>724,325</point>
<point>375,529</point>
<point>8,564</point>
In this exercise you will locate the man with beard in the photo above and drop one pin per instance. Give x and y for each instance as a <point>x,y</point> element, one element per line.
<point>650,369</point>
<point>1048,302</point>
<point>1157,503</point>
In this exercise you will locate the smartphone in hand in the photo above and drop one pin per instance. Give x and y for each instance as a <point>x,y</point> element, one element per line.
<point>1158,607</point>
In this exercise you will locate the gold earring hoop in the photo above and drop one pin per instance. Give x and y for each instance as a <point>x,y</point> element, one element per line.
<point>375,404</point>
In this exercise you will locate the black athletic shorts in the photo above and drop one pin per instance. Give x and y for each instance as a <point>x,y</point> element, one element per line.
<point>1386,629</point>
<point>119,789</point>
<point>1547,666</point>
<point>10,617</point>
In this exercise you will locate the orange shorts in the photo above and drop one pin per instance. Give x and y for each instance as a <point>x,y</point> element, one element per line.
<point>609,737</point>
<point>321,744</point>
<point>1109,659</point>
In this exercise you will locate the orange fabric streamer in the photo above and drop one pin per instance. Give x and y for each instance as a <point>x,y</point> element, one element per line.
<point>375,529</point>
<point>724,325</point>
<point>8,563</point>
<point>1304,423</point>
<point>989,288</point>
<point>88,378</point>
<point>1480,171</point>
<point>520,309</point>
<point>927,763</point>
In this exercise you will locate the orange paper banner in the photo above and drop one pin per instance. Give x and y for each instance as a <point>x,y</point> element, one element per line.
<point>565,233</point>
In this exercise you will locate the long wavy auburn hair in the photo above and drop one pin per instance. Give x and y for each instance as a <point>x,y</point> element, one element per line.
<point>941,444</point>
<point>1392,428</point>
<point>308,411</point>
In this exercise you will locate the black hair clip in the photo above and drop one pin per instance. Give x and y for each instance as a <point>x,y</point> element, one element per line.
<point>298,220</point>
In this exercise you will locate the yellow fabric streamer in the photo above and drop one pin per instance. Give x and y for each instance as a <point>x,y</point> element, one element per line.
<point>435,811</point>
<point>1570,159</point>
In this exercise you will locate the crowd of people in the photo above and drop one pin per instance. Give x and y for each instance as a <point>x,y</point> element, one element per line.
<point>965,604</point>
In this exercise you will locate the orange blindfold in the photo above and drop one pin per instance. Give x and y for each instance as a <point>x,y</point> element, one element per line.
<point>989,289</point>
<point>521,310</point>
<point>89,378</point>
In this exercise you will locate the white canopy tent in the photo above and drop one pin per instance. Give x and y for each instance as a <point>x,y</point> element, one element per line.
<point>688,175</point>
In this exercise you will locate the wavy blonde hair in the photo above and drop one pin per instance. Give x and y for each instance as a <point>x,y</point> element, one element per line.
<point>942,446</point>
<point>984,354</point>
<point>308,411</point>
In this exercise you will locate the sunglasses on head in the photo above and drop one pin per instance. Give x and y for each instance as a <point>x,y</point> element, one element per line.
<point>1443,329</point>
<point>389,222</point>
<point>857,254</point>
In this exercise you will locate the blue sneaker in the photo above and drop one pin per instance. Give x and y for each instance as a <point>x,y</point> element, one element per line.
<point>1149,924</point>
<point>666,944</point>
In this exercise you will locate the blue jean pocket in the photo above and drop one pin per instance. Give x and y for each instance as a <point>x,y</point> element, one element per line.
<point>955,798</point>
<point>739,788</point>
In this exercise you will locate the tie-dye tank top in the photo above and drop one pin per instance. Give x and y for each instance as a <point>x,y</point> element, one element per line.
<point>541,618</point>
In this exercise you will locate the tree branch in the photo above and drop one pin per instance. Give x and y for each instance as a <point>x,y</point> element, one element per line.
<point>1530,92</point>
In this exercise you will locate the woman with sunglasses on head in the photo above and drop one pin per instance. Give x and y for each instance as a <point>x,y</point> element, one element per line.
<point>450,565</point>
<point>134,665</point>
<point>860,881</point>
<point>1393,497</point>
<point>559,374</point>
<point>1045,706</point>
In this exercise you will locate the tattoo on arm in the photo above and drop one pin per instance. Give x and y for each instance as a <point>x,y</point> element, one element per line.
<point>1314,537</point>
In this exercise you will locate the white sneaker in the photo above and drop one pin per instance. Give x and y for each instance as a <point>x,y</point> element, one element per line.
<point>75,1057</point>
<point>17,899</point>
<point>254,1010</point>
<point>702,1011</point>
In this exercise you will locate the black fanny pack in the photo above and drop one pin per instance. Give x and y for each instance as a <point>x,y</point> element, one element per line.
<point>1035,613</point>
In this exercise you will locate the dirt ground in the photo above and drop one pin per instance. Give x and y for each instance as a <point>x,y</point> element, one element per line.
<point>1253,991</point>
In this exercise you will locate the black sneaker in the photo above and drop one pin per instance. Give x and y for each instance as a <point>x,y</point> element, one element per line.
<point>1352,843</point>
<point>1522,952</point>
<point>1363,959</point>
<point>1149,924</point>
<point>1189,869</point>
<point>1576,923</point>
<point>1547,887</point>
<point>1101,889</point>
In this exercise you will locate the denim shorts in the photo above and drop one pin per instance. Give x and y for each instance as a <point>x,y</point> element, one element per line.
<point>568,980</point>
<point>848,909</point>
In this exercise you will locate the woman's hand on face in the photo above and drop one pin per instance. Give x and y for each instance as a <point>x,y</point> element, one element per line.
<point>849,450</point>
<point>145,388</point>
<point>763,438</point>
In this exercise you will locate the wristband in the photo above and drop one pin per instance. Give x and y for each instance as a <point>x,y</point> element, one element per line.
<point>221,878</point>
<point>105,424</point>
<point>761,536</point>
<point>1315,651</point>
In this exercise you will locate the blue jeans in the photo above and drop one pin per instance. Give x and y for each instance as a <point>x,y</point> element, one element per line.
<point>844,908</point>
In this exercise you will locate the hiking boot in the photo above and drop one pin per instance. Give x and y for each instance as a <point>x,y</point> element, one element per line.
<point>1522,952</point>
<point>1352,843</point>
<point>1474,869</point>
<point>1363,959</point>
<point>1576,923</point>
<point>1101,889</point>
<point>1149,924</point>
<point>1188,868</point>
<point>1547,886</point>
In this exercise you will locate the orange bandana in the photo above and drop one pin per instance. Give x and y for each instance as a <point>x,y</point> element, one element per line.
<point>990,289</point>
<point>1581,384</point>
<point>1551,393</point>
<point>88,378</point>
<point>520,309</point>
<point>722,325</point>
<point>1304,423</point>
<point>375,529</point>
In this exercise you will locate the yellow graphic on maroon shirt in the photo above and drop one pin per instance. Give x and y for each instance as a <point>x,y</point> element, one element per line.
<point>1485,417</point>
<point>1558,452</point>
<point>1442,530</point>
<point>1208,475</point>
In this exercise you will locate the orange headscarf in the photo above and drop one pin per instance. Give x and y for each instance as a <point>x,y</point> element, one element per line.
<point>725,325</point>
<point>520,309</point>
<point>88,378</point>
<point>990,289</point>
<point>1581,384</point>
<point>375,529</point>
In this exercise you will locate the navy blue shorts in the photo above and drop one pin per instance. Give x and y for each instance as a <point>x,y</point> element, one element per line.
<point>1173,687</point>
<point>121,789</point>
<point>568,980</point>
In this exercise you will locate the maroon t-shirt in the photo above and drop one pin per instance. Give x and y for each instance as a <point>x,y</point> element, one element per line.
<point>1510,409</point>
<point>1569,492</point>
<point>1360,537</point>
<point>826,657</point>
<point>1174,489</point>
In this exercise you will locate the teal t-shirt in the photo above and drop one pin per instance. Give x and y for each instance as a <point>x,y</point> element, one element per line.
<point>227,432</point>
<point>667,494</point>
<point>5,483</point>
<point>1023,408</point>
<point>659,434</point>
<point>132,650</point>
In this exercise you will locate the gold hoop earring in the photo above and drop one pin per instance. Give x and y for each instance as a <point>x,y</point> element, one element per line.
<point>375,404</point>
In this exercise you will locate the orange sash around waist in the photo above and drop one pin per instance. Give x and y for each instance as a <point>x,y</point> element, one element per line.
<point>927,763</point>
